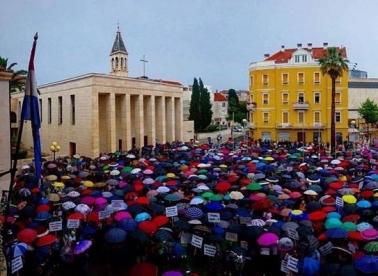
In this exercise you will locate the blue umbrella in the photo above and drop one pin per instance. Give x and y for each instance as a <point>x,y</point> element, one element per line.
<point>336,233</point>
<point>115,235</point>
<point>193,213</point>
<point>310,266</point>
<point>142,217</point>
<point>363,204</point>
<point>42,216</point>
<point>214,206</point>
<point>367,264</point>
<point>127,224</point>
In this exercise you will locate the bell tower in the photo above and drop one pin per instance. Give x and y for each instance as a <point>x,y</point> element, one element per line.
<point>119,57</point>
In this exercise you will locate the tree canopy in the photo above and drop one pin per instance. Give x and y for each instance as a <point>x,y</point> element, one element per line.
<point>17,82</point>
<point>368,110</point>
<point>237,111</point>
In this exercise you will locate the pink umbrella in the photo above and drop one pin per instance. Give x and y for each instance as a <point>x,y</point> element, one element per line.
<point>100,200</point>
<point>89,200</point>
<point>122,215</point>
<point>267,239</point>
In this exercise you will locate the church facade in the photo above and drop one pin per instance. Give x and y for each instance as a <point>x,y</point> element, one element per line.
<point>102,113</point>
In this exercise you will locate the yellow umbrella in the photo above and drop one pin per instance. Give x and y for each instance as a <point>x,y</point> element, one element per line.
<point>58,185</point>
<point>51,177</point>
<point>269,158</point>
<point>88,184</point>
<point>66,177</point>
<point>223,166</point>
<point>349,199</point>
<point>171,175</point>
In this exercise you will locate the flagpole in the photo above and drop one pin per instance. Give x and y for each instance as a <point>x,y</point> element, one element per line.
<point>14,167</point>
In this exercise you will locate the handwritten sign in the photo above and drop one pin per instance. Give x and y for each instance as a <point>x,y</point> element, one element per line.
<point>231,237</point>
<point>103,214</point>
<point>73,223</point>
<point>17,264</point>
<point>171,211</point>
<point>209,250</point>
<point>55,226</point>
<point>213,217</point>
<point>292,234</point>
<point>284,267</point>
<point>116,203</point>
<point>326,249</point>
<point>292,263</point>
<point>196,241</point>
<point>245,220</point>
<point>339,201</point>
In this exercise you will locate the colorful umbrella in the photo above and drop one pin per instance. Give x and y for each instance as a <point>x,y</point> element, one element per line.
<point>115,235</point>
<point>127,224</point>
<point>349,199</point>
<point>82,246</point>
<point>145,269</point>
<point>46,240</point>
<point>193,213</point>
<point>18,249</point>
<point>371,247</point>
<point>27,235</point>
<point>367,264</point>
<point>267,239</point>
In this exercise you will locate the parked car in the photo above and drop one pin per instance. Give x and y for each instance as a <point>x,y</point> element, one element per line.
<point>237,129</point>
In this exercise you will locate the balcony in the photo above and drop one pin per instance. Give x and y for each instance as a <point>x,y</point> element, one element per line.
<point>251,106</point>
<point>301,126</point>
<point>301,106</point>
<point>283,125</point>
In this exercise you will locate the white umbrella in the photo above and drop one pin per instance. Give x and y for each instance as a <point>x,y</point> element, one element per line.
<point>136,170</point>
<point>115,172</point>
<point>131,156</point>
<point>68,205</point>
<point>162,190</point>
<point>335,162</point>
<point>73,194</point>
<point>236,195</point>
<point>196,201</point>
<point>83,209</point>
<point>148,181</point>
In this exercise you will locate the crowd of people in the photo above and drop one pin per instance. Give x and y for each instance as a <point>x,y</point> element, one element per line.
<point>179,208</point>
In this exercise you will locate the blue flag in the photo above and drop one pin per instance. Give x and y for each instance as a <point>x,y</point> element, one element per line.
<point>30,110</point>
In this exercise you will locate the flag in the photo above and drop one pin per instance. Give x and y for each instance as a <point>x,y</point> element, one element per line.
<point>30,110</point>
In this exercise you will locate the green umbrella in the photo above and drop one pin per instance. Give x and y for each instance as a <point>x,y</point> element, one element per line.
<point>254,186</point>
<point>202,171</point>
<point>126,169</point>
<point>106,167</point>
<point>333,223</point>
<point>172,197</point>
<point>207,194</point>
<point>371,247</point>
<point>216,197</point>
<point>292,156</point>
<point>315,188</point>
<point>349,226</point>
<point>273,198</point>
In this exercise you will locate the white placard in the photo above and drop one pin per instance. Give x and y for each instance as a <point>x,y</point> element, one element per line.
<point>292,264</point>
<point>339,201</point>
<point>116,203</point>
<point>73,223</point>
<point>103,214</point>
<point>185,238</point>
<point>17,264</point>
<point>209,250</point>
<point>171,211</point>
<point>265,251</point>
<point>245,220</point>
<point>55,226</point>
<point>231,237</point>
<point>213,217</point>
<point>326,249</point>
<point>284,267</point>
<point>196,241</point>
<point>292,234</point>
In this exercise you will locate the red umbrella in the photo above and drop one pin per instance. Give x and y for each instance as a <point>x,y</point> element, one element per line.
<point>43,208</point>
<point>317,215</point>
<point>76,216</point>
<point>93,216</point>
<point>46,240</point>
<point>262,204</point>
<point>223,186</point>
<point>160,220</point>
<point>148,227</point>
<point>145,269</point>
<point>142,200</point>
<point>27,235</point>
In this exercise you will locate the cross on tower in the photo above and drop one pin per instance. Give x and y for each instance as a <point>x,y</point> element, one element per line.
<point>144,65</point>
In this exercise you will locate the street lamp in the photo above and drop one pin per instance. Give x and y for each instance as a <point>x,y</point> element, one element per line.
<point>245,130</point>
<point>54,148</point>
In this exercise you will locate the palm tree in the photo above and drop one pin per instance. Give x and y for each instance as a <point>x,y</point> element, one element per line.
<point>333,64</point>
<point>17,82</point>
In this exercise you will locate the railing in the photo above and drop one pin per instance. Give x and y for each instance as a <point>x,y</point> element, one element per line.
<point>301,105</point>
<point>301,125</point>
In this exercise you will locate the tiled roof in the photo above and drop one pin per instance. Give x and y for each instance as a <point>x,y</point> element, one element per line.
<point>285,55</point>
<point>118,45</point>
<point>218,97</point>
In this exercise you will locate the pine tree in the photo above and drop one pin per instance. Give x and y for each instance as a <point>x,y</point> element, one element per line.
<point>205,106</point>
<point>194,109</point>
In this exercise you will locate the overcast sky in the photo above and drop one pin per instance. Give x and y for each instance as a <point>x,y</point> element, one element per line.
<point>214,40</point>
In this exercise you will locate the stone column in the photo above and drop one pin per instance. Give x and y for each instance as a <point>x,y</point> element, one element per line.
<point>5,139</point>
<point>126,122</point>
<point>161,119</point>
<point>140,122</point>
<point>151,120</point>
<point>170,129</point>
<point>179,119</point>
<point>95,126</point>
<point>112,145</point>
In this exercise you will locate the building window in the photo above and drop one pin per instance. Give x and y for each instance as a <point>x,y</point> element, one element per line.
<point>317,78</point>
<point>251,80</point>
<point>265,98</point>
<point>300,78</point>
<point>338,80</point>
<point>317,117</point>
<point>338,117</point>
<point>73,111</point>
<point>265,79</point>
<point>297,58</point>
<point>285,98</point>
<point>285,78</point>
<point>304,58</point>
<point>40,110</point>
<point>301,117</point>
<point>301,97</point>
<point>265,117</point>
<point>223,104</point>
<point>317,97</point>
<point>285,117</point>
<point>60,110</point>
<point>49,110</point>
<point>338,97</point>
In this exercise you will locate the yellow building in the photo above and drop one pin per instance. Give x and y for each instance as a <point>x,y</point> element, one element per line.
<point>290,99</point>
